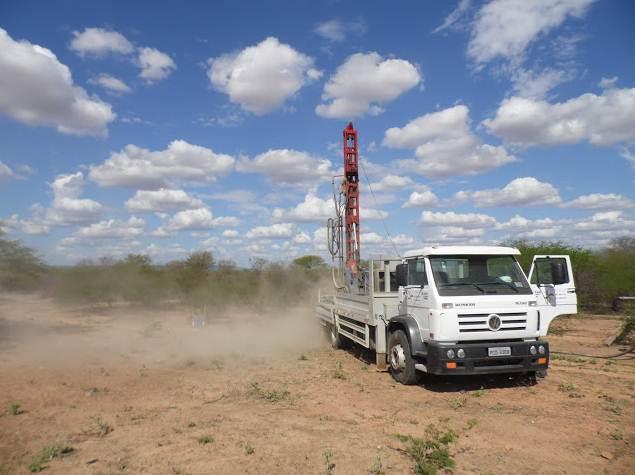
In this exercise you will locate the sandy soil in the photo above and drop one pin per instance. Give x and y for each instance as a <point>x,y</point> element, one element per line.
<point>136,391</point>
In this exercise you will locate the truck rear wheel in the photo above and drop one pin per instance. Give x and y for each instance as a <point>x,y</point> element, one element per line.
<point>402,365</point>
<point>337,341</point>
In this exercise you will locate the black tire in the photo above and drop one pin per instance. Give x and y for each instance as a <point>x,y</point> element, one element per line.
<point>337,341</point>
<point>401,363</point>
<point>530,379</point>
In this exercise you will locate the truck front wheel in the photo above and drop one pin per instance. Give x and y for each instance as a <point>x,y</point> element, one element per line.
<point>402,366</point>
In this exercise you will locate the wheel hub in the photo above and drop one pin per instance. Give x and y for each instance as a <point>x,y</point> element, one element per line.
<point>397,358</point>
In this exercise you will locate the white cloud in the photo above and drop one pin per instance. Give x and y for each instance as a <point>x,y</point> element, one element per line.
<point>69,211</point>
<point>375,170</point>
<point>25,169</point>
<point>67,208</point>
<point>364,83</point>
<point>231,233</point>
<point>601,120</point>
<point>35,226</point>
<point>234,196</point>
<point>112,228</point>
<point>503,29</point>
<point>520,223</point>
<point>608,83</point>
<point>5,172</point>
<point>523,228</point>
<point>98,42</point>
<point>316,209</point>
<point>371,214</point>
<point>593,231</point>
<point>110,83</point>
<point>450,218</point>
<point>262,77</point>
<point>455,15</point>
<point>275,231</point>
<point>458,234</point>
<point>312,209</point>
<point>536,85</point>
<point>445,145</point>
<point>520,191</point>
<point>162,200</point>
<point>606,221</point>
<point>302,238</point>
<point>155,65</point>
<point>393,183</point>
<point>600,201</point>
<point>418,199</point>
<point>200,218</point>
<point>372,238</point>
<point>628,155</point>
<point>336,30</point>
<point>231,221</point>
<point>36,89</point>
<point>138,167</point>
<point>286,166</point>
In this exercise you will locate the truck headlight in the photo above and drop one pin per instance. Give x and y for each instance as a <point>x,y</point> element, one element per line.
<point>447,305</point>
<point>532,349</point>
<point>450,354</point>
<point>461,353</point>
<point>541,350</point>
<point>533,303</point>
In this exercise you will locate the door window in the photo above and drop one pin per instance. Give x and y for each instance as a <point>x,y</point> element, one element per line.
<point>550,271</point>
<point>417,272</point>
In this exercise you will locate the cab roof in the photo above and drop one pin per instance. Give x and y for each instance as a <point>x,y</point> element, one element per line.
<point>463,250</point>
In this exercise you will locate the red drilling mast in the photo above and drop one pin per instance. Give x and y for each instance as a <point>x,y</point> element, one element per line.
<point>350,189</point>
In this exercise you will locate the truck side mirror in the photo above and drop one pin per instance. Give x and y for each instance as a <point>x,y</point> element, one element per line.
<point>402,275</point>
<point>559,272</point>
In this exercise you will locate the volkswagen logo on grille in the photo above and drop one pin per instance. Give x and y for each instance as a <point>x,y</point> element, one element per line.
<point>494,322</point>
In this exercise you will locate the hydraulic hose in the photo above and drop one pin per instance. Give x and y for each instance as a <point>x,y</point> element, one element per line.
<point>630,350</point>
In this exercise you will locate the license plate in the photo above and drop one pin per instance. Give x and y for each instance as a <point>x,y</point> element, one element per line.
<point>499,351</point>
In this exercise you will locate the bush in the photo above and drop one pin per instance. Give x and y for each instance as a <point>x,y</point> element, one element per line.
<point>198,280</point>
<point>20,267</point>
<point>309,262</point>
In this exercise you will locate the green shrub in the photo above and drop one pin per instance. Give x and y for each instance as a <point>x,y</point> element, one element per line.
<point>431,453</point>
<point>20,267</point>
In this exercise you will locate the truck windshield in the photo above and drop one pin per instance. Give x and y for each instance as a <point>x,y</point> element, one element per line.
<point>477,275</point>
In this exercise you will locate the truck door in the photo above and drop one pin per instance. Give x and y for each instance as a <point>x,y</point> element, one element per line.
<point>551,279</point>
<point>417,294</point>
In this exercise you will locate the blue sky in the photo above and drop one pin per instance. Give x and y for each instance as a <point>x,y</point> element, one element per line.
<point>163,128</point>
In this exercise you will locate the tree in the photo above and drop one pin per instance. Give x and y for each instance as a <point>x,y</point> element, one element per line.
<point>20,267</point>
<point>140,261</point>
<point>309,262</point>
<point>623,243</point>
<point>258,263</point>
<point>195,271</point>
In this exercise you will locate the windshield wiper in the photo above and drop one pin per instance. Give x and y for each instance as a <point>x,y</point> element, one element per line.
<point>500,283</point>
<point>464,283</point>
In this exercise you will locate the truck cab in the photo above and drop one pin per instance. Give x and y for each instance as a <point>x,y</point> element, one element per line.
<point>471,309</point>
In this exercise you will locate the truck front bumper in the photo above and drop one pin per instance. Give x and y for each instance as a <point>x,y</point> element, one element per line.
<point>478,361</point>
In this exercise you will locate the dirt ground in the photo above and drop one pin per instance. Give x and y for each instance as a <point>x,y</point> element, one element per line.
<point>143,391</point>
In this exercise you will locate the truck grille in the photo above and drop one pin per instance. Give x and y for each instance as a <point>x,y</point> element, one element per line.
<point>477,322</point>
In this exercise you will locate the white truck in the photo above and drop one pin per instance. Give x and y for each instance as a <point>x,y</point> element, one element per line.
<point>452,310</point>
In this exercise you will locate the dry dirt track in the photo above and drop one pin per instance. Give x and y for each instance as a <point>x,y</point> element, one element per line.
<point>143,392</point>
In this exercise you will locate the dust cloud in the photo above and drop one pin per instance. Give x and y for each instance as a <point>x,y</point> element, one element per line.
<point>39,331</point>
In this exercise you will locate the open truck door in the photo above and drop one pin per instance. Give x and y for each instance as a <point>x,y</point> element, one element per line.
<point>551,279</point>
